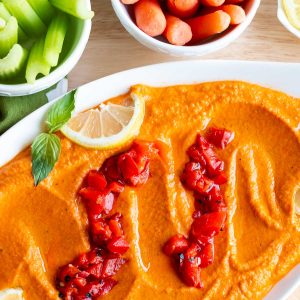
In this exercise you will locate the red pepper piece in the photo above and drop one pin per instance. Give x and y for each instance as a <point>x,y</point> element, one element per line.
<point>118,245</point>
<point>93,289</point>
<point>107,285</point>
<point>219,137</point>
<point>191,174</point>
<point>115,228</point>
<point>100,232</point>
<point>95,270</point>
<point>176,245</point>
<point>82,274</point>
<point>95,256</point>
<point>196,214</point>
<point>67,272</point>
<point>220,179</point>
<point>207,255</point>
<point>91,195</point>
<point>203,153</point>
<point>190,272</point>
<point>217,206</point>
<point>214,165</point>
<point>70,292</point>
<point>192,251</point>
<point>196,154</point>
<point>96,180</point>
<point>95,211</point>
<point>127,165</point>
<point>202,143</point>
<point>111,266</point>
<point>194,179</point>
<point>80,282</point>
<point>110,169</point>
<point>141,178</point>
<point>215,201</point>
<point>208,225</point>
<point>116,187</point>
<point>81,261</point>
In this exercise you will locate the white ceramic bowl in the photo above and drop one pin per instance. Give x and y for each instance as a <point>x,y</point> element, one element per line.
<point>284,20</point>
<point>161,45</point>
<point>77,39</point>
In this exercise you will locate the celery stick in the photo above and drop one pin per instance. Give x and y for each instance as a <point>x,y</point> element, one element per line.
<point>8,36</point>
<point>43,8</point>
<point>13,63</point>
<point>5,15</point>
<point>36,62</point>
<point>55,39</point>
<point>2,23</point>
<point>76,8</point>
<point>26,16</point>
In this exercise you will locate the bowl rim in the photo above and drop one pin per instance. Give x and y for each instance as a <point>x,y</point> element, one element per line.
<point>56,75</point>
<point>283,19</point>
<point>205,48</point>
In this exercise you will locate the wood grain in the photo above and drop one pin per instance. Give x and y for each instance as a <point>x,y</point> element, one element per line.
<point>111,49</point>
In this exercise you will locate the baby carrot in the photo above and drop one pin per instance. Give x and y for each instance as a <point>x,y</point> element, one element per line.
<point>183,8</point>
<point>213,3</point>
<point>177,31</point>
<point>208,25</point>
<point>150,17</point>
<point>129,1</point>
<point>236,13</point>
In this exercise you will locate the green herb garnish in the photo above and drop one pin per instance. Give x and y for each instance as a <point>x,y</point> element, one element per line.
<point>45,149</point>
<point>61,112</point>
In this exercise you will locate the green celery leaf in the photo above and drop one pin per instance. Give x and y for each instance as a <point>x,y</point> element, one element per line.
<point>45,151</point>
<point>61,112</point>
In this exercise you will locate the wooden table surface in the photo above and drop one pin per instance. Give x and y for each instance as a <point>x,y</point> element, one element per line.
<point>111,49</point>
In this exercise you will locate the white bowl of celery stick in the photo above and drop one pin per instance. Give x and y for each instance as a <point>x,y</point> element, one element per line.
<point>40,42</point>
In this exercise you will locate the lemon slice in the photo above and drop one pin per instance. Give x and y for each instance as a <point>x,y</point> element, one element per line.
<point>11,294</point>
<point>292,10</point>
<point>108,125</point>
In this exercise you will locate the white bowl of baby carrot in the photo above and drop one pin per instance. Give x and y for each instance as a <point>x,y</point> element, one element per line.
<point>185,27</point>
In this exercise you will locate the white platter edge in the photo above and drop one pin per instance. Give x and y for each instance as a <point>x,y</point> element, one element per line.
<point>279,76</point>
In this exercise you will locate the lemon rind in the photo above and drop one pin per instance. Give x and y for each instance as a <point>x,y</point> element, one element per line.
<point>127,133</point>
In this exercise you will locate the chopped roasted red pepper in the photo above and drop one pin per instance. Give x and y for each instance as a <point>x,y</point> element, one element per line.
<point>95,270</point>
<point>207,255</point>
<point>220,179</point>
<point>219,137</point>
<point>96,180</point>
<point>208,225</point>
<point>107,285</point>
<point>90,275</point>
<point>110,169</point>
<point>116,187</point>
<point>190,271</point>
<point>127,165</point>
<point>176,245</point>
<point>118,245</point>
<point>92,196</point>
<point>203,175</point>
<point>111,266</point>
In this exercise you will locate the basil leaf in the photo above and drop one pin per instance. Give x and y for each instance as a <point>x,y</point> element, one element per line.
<point>61,112</point>
<point>45,152</point>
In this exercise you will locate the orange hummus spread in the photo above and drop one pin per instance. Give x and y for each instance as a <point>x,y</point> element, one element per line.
<point>45,227</point>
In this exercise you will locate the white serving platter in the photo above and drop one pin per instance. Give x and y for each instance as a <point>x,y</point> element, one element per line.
<point>279,76</point>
